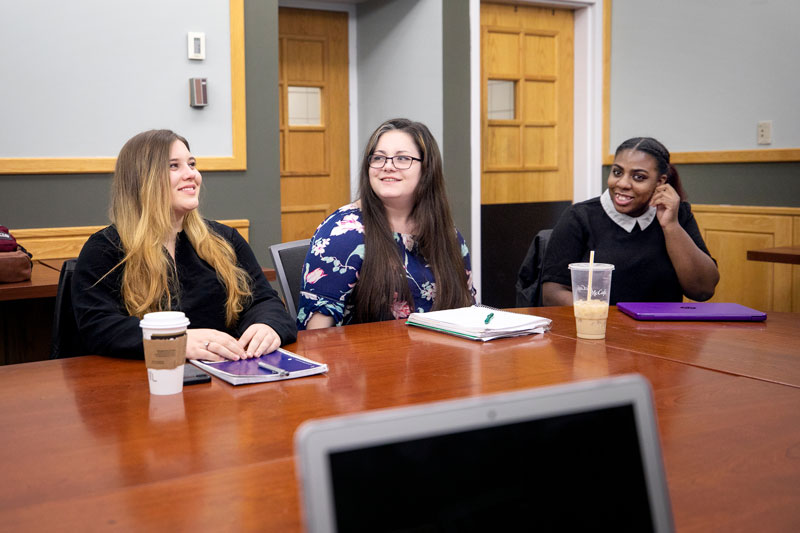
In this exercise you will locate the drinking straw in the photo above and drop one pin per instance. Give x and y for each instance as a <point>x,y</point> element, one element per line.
<point>591,266</point>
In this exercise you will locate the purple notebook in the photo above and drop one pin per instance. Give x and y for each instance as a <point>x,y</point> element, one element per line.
<point>248,371</point>
<point>690,311</point>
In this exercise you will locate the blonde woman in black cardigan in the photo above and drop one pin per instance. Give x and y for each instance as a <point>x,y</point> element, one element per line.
<point>159,254</point>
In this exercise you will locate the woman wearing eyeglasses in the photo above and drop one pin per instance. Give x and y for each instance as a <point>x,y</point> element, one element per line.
<point>395,250</point>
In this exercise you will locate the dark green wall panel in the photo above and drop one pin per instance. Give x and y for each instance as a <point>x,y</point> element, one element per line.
<point>456,98</point>
<point>767,184</point>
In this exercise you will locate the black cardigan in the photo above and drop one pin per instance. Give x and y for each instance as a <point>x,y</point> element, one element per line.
<point>106,327</point>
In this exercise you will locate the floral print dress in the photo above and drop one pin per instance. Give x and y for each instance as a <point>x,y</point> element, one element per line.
<point>333,263</point>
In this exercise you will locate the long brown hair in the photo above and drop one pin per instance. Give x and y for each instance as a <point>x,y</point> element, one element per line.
<point>382,273</point>
<point>141,211</point>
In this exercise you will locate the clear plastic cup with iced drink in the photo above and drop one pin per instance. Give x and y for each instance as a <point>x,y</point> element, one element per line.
<point>591,288</point>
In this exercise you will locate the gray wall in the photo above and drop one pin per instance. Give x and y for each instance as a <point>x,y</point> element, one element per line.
<point>94,73</point>
<point>455,141</point>
<point>700,74</point>
<point>30,201</point>
<point>399,63</point>
<point>430,39</point>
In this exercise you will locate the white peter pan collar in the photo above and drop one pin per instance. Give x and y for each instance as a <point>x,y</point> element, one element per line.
<point>622,220</point>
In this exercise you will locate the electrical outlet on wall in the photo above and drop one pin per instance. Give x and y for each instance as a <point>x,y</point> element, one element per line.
<point>765,132</point>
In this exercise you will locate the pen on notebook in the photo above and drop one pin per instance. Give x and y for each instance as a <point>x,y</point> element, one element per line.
<point>489,318</point>
<point>275,369</point>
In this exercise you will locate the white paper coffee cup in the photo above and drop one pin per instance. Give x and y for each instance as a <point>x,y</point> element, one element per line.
<point>164,338</point>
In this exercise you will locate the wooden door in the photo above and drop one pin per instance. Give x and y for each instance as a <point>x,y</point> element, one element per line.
<point>527,54</point>
<point>314,114</point>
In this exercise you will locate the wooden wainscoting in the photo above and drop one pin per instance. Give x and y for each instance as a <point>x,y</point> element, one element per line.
<point>63,243</point>
<point>730,231</point>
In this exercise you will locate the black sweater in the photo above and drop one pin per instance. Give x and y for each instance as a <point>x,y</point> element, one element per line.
<point>643,271</point>
<point>106,327</point>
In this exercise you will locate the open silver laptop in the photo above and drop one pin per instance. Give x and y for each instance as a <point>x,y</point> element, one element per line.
<point>581,456</point>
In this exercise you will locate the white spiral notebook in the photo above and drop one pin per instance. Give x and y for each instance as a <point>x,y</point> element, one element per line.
<point>480,323</point>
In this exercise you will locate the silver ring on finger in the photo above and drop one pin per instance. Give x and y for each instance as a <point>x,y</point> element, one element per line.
<point>205,345</point>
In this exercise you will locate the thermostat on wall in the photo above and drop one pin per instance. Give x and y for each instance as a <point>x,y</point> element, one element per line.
<point>198,92</point>
<point>197,45</point>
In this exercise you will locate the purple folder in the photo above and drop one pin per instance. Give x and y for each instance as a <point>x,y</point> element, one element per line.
<point>690,311</point>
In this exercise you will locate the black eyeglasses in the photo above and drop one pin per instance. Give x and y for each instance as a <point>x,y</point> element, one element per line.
<point>400,162</point>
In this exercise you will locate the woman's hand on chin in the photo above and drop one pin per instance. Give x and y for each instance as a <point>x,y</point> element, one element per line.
<point>212,345</point>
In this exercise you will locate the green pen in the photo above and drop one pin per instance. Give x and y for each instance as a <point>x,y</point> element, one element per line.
<point>489,318</point>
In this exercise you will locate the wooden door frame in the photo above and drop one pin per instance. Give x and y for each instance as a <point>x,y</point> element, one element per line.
<point>587,143</point>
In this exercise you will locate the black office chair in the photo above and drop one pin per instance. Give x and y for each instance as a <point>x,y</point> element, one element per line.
<point>66,339</point>
<point>288,258</point>
<point>529,279</point>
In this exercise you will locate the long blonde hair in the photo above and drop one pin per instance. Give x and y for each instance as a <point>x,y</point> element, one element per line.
<point>141,210</point>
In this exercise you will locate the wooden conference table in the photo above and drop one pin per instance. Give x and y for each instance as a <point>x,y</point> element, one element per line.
<point>86,447</point>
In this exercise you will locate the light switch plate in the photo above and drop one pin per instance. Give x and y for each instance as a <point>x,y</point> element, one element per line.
<point>196,45</point>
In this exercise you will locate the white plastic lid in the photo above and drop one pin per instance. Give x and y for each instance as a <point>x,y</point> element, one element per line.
<point>164,320</point>
<point>585,266</point>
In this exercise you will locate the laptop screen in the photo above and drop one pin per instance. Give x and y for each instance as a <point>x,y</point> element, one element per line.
<point>572,471</point>
<point>577,456</point>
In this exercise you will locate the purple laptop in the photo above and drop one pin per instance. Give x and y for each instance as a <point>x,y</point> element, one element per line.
<point>690,311</point>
